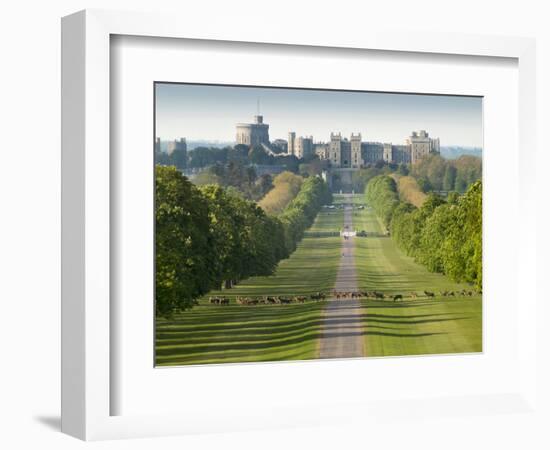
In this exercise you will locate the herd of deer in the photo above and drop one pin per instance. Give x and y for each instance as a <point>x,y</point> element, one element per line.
<point>396,297</point>
<point>287,300</point>
<point>268,300</point>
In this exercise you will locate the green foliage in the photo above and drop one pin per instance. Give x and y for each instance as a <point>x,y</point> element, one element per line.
<point>286,186</point>
<point>177,158</point>
<point>449,179</point>
<point>382,195</point>
<point>444,236</point>
<point>257,155</point>
<point>185,248</point>
<point>301,211</point>
<point>236,175</point>
<point>206,156</point>
<point>436,173</point>
<point>463,245</point>
<point>210,235</point>
<point>243,236</point>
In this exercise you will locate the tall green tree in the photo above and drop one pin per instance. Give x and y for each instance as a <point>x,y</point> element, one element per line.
<point>184,245</point>
<point>449,178</point>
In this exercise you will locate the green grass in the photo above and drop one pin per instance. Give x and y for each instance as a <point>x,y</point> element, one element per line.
<point>215,334</point>
<point>422,327</point>
<point>414,326</point>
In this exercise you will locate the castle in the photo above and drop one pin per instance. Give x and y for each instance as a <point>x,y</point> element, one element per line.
<point>342,153</point>
<point>256,133</point>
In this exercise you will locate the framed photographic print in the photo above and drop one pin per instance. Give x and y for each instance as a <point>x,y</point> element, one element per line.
<point>267,218</point>
<point>286,238</point>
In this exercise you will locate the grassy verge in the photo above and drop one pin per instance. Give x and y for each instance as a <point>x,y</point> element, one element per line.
<point>216,334</point>
<point>421,327</point>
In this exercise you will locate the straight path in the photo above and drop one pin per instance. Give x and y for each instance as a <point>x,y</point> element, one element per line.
<point>342,330</point>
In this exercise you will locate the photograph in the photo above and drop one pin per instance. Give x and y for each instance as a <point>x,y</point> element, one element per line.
<point>296,224</point>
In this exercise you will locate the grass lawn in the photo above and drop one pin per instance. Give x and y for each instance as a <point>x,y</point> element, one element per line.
<point>216,334</point>
<point>234,333</point>
<point>421,327</point>
<point>414,326</point>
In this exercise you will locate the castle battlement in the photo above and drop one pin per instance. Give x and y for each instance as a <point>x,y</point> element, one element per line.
<point>341,152</point>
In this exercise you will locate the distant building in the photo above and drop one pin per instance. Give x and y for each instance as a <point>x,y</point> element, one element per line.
<point>178,144</point>
<point>355,153</point>
<point>341,152</point>
<point>291,143</point>
<point>321,150</point>
<point>303,147</point>
<point>256,133</point>
<point>421,145</point>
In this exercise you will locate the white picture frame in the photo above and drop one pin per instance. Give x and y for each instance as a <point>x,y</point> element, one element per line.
<point>87,386</point>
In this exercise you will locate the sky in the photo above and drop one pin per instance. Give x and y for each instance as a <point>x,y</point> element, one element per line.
<point>210,112</point>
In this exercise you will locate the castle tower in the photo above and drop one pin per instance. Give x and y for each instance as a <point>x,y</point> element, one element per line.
<point>178,144</point>
<point>253,133</point>
<point>356,161</point>
<point>291,143</point>
<point>335,149</point>
<point>421,145</point>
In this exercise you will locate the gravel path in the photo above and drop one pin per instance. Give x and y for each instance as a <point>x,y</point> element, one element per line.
<point>342,328</point>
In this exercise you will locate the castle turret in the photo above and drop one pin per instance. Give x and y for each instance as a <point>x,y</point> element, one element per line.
<point>356,161</point>
<point>253,133</point>
<point>335,149</point>
<point>291,143</point>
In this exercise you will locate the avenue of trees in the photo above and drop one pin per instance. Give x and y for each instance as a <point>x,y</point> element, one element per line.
<point>208,236</point>
<point>445,236</point>
<point>302,210</point>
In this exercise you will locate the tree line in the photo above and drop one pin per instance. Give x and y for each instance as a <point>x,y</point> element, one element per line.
<point>237,176</point>
<point>207,236</point>
<point>443,235</point>
<point>435,173</point>
<point>202,157</point>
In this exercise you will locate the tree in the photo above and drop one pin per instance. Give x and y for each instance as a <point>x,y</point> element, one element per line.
<point>184,245</point>
<point>382,195</point>
<point>265,182</point>
<point>424,184</point>
<point>290,162</point>
<point>250,175</point>
<point>449,178</point>
<point>286,187</point>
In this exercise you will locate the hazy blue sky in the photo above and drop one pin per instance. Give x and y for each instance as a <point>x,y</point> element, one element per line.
<point>211,112</point>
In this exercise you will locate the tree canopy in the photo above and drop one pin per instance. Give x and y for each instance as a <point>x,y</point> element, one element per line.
<point>210,235</point>
<point>445,236</point>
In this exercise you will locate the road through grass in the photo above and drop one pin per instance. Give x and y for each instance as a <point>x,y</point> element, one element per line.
<point>215,334</point>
